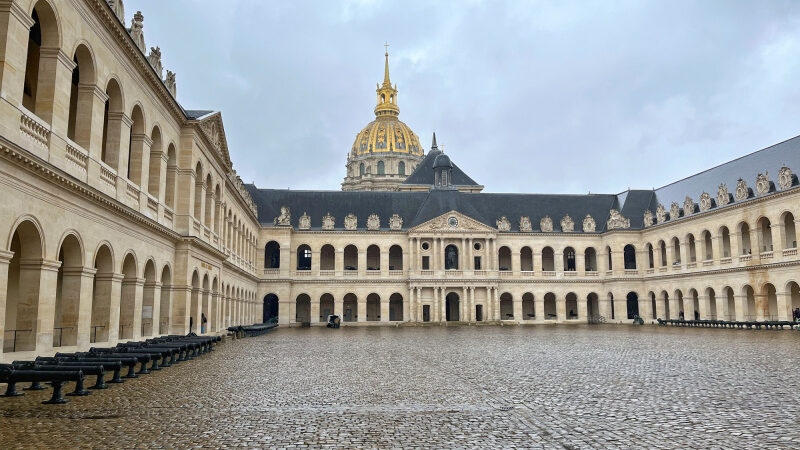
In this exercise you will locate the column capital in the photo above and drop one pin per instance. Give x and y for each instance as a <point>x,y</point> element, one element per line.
<point>5,256</point>
<point>58,54</point>
<point>17,12</point>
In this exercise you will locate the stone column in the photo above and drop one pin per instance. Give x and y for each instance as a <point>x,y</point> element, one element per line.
<point>515,262</point>
<point>140,160</point>
<point>561,307</point>
<point>338,307</point>
<point>442,304</point>
<point>315,309</point>
<point>583,312</point>
<point>362,308</point>
<point>784,301</point>
<point>762,306</point>
<point>704,303</point>
<point>383,261</point>
<point>538,306</point>
<point>117,135</point>
<point>15,24</point>
<point>315,253</point>
<point>517,308</point>
<point>45,317</point>
<point>384,309</point>
<point>54,86</point>
<point>5,256</point>
<point>362,263</point>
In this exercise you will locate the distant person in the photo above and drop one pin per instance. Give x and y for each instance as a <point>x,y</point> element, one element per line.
<point>696,315</point>
<point>191,323</point>
<point>796,314</point>
<point>203,323</point>
<point>681,316</point>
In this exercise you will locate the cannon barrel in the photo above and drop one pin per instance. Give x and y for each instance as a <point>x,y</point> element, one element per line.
<point>11,375</point>
<point>129,361</point>
<point>116,366</point>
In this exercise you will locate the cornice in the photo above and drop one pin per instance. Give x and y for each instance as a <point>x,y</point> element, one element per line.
<point>124,39</point>
<point>54,175</point>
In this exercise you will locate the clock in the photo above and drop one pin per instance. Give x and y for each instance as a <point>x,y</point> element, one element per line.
<point>453,222</point>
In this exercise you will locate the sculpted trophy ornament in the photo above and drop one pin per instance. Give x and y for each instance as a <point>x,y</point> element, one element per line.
<point>785,178</point>
<point>395,222</point>
<point>525,224</point>
<point>373,222</point>
<point>546,224</point>
<point>503,224</point>
<point>588,224</point>
<point>567,225</point>
<point>741,190</point>
<point>328,222</point>
<point>137,25</point>
<point>305,222</point>
<point>661,213</point>
<point>154,58</point>
<point>648,218</point>
<point>350,222</point>
<point>705,201</point>
<point>674,211</point>
<point>723,198</point>
<point>617,221</point>
<point>762,183</point>
<point>688,206</point>
<point>285,218</point>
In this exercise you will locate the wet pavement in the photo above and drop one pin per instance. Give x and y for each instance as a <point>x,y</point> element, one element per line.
<point>533,387</point>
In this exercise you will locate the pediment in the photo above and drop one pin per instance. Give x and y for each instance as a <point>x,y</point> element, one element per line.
<point>214,130</point>
<point>443,224</point>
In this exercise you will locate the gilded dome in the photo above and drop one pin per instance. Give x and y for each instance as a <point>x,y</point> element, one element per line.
<point>386,134</point>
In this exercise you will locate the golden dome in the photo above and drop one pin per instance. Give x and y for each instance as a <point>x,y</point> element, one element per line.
<point>386,133</point>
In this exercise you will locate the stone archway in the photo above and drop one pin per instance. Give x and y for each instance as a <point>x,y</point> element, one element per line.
<point>270,311</point>
<point>452,307</point>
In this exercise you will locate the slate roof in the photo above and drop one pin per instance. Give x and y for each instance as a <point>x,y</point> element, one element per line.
<point>423,174</point>
<point>194,114</point>
<point>747,167</point>
<point>418,207</point>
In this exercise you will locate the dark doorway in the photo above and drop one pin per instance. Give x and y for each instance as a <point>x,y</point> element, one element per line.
<point>479,313</point>
<point>452,307</point>
<point>426,313</point>
<point>633,305</point>
<point>270,308</point>
<point>272,255</point>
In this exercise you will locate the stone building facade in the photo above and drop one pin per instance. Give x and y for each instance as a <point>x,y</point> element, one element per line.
<point>123,217</point>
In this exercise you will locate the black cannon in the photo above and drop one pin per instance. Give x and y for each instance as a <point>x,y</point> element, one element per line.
<point>87,369</point>
<point>128,361</point>
<point>11,375</point>
<point>116,366</point>
<point>142,358</point>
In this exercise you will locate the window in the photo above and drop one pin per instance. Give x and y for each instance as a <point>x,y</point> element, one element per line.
<point>401,168</point>
<point>361,169</point>
<point>451,257</point>
<point>477,263</point>
<point>426,263</point>
<point>381,168</point>
<point>425,246</point>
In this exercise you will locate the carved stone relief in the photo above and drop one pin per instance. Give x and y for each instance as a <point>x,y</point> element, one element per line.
<point>328,222</point>
<point>567,224</point>
<point>648,218</point>
<point>705,201</point>
<point>661,213</point>
<point>305,222</point>
<point>588,224</point>
<point>373,222</point>
<point>617,221</point>
<point>785,178</point>
<point>546,224</point>
<point>396,222</point>
<point>762,183</point>
<point>350,222</point>
<point>525,224</point>
<point>688,206</point>
<point>741,190</point>
<point>285,218</point>
<point>503,224</point>
<point>674,211</point>
<point>723,198</point>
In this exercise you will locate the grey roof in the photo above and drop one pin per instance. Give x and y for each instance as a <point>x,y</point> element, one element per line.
<point>424,174</point>
<point>194,114</point>
<point>418,207</point>
<point>770,159</point>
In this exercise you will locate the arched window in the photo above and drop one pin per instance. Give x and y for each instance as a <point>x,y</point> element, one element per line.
<point>401,168</point>
<point>381,168</point>
<point>726,242</point>
<point>361,169</point>
<point>395,258</point>
<point>40,71</point>
<point>451,257</point>
<point>112,125</point>
<point>304,257</point>
<point>676,252</point>
<point>272,255</point>
<point>526,259</point>
<point>154,171</point>
<point>663,247</point>
<point>744,238</point>
<point>80,98</point>
<point>327,259</point>
<point>351,257</point>
<point>590,259</point>
<point>569,259</point>
<point>610,263</point>
<point>650,256</point>
<point>790,235</point>
<point>548,259</point>
<point>136,146</point>
<point>764,234</point>
<point>629,255</point>
<point>692,248</point>
<point>373,257</point>
<point>504,258</point>
<point>708,250</point>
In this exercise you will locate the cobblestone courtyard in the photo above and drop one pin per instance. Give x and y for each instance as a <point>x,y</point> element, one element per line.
<point>553,387</point>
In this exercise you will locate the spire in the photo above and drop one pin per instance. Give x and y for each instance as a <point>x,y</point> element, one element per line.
<point>386,81</point>
<point>433,145</point>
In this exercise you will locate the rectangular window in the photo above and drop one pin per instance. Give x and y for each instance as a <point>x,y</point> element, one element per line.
<point>477,263</point>
<point>426,263</point>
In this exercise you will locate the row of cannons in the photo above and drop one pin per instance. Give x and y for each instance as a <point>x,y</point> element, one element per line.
<point>149,355</point>
<point>748,324</point>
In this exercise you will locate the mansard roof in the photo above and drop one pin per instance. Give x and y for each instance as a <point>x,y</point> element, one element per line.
<point>416,208</point>
<point>424,174</point>
<point>747,167</point>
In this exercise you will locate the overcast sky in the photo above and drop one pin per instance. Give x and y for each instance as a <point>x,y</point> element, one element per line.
<point>554,97</point>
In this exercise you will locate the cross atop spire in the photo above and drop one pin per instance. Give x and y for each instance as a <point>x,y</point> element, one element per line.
<point>387,94</point>
<point>386,81</point>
